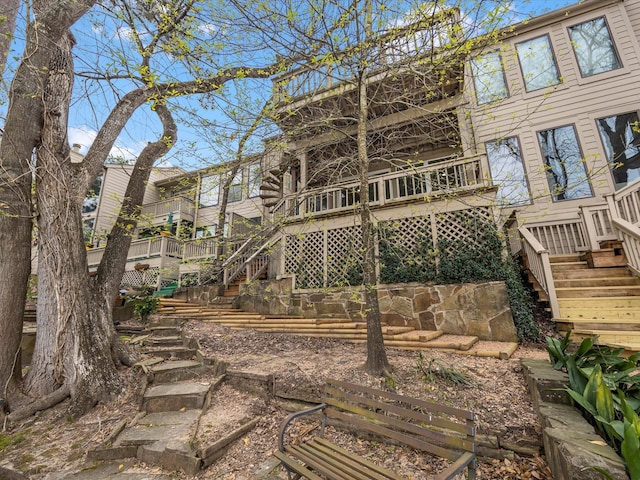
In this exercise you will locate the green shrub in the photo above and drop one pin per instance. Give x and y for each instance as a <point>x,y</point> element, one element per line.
<point>144,304</point>
<point>605,386</point>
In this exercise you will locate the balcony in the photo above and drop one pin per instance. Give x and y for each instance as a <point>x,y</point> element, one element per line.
<point>403,66</point>
<point>158,251</point>
<point>450,177</point>
<point>177,208</point>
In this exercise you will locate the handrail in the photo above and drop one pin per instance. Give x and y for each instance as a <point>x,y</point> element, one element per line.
<point>540,267</point>
<point>631,236</point>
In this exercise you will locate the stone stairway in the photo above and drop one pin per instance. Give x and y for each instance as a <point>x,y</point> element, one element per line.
<point>598,296</point>
<point>180,383</point>
<point>334,327</point>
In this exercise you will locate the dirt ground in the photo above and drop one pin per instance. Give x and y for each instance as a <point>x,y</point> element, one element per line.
<point>50,443</point>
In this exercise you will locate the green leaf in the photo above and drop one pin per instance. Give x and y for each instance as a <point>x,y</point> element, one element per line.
<point>631,450</point>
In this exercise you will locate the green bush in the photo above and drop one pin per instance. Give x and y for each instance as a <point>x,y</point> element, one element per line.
<point>144,304</point>
<point>605,386</point>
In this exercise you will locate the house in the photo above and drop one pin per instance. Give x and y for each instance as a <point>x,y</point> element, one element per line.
<point>178,219</point>
<point>536,131</point>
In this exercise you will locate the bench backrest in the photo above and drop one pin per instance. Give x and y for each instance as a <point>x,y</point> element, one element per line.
<point>428,426</point>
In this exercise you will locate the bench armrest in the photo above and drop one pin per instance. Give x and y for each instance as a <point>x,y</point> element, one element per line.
<point>293,416</point>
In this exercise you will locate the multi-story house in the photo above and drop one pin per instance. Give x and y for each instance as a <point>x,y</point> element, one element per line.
<point>178,220</point>
<point>536,130</point>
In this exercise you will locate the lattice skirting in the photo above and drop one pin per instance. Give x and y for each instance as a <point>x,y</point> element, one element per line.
<point>140,278</point>
<point>333,257</point>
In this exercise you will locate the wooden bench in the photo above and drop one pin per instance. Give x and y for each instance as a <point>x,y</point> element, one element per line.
<point>439,430</point>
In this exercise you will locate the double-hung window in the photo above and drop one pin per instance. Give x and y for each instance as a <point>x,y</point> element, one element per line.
<point>594,47</point>
<point>507,171</point>
<point>620,136</point>
<point>564,163</point>
<point>537,63</point>
<point>209,191</point>
<point>488,78</point>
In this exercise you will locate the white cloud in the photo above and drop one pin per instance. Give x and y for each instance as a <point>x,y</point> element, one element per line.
<point>207,28</point>
<point>85,136</point>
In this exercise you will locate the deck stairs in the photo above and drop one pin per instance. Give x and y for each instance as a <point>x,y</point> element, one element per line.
<point>598,296</point>
<point>332,326</point>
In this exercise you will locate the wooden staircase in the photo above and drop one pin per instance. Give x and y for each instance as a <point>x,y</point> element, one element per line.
<point>598,296</point>
<point>334,327</point>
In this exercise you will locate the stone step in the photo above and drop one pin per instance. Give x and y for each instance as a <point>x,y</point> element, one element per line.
<point>175,396</point>
<point>177,371</point>
<point>165,341</point>
<point>165,439</point>
<point>165,331</point>
<point>171,353</point>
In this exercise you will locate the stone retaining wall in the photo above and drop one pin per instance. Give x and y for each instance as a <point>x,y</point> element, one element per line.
<point>463,309</point>
<point>571,445</point>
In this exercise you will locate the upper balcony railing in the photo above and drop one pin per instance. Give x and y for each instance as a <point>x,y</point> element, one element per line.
<point>158,212</point>
<point>142,249</point>
<point>447,177</point>
<point>396,46</point>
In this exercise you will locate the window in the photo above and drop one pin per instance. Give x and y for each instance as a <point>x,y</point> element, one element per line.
<point>507,171</point>
<point>593,47</point>
<point>621,138</point>
<point>538,64</point>
<point>235,189</point>
<point>206,231</point>
<point>90,202</point>
<point>488,78</point>
<point>566,172</point>
<point>209,191</point>
<point>255,179</point>
<point>87,229</point>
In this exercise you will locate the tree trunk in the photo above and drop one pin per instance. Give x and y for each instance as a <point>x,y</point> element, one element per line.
<point>21,135</point>
<point>8,14</point>
<point>73,345</point>
<point>377,362</point>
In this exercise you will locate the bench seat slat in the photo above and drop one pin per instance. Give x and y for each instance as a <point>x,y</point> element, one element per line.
<point>296,466</point>
<point>335,395</point>
<point>318,464</point>
<point>349,466</point>
<point>380,472</point>
<point>387,432</point>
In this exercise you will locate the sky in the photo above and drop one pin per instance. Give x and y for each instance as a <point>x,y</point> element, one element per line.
<point>198,145</point>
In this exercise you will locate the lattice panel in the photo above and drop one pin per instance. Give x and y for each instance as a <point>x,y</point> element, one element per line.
<point>463,225</point>
<point>409,232</point>
<point>407,253</point>
<point>344,256</point>
<point>140,278</point>
<point>304,257</point>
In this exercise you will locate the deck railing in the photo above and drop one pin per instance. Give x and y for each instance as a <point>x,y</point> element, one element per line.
<point>540,267</point>
<point>446,177</point>
<point>180,208</point>
<point>560,238</point>
<point>143,248</point>
<point>200,248</point>
<point>397,46</point>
